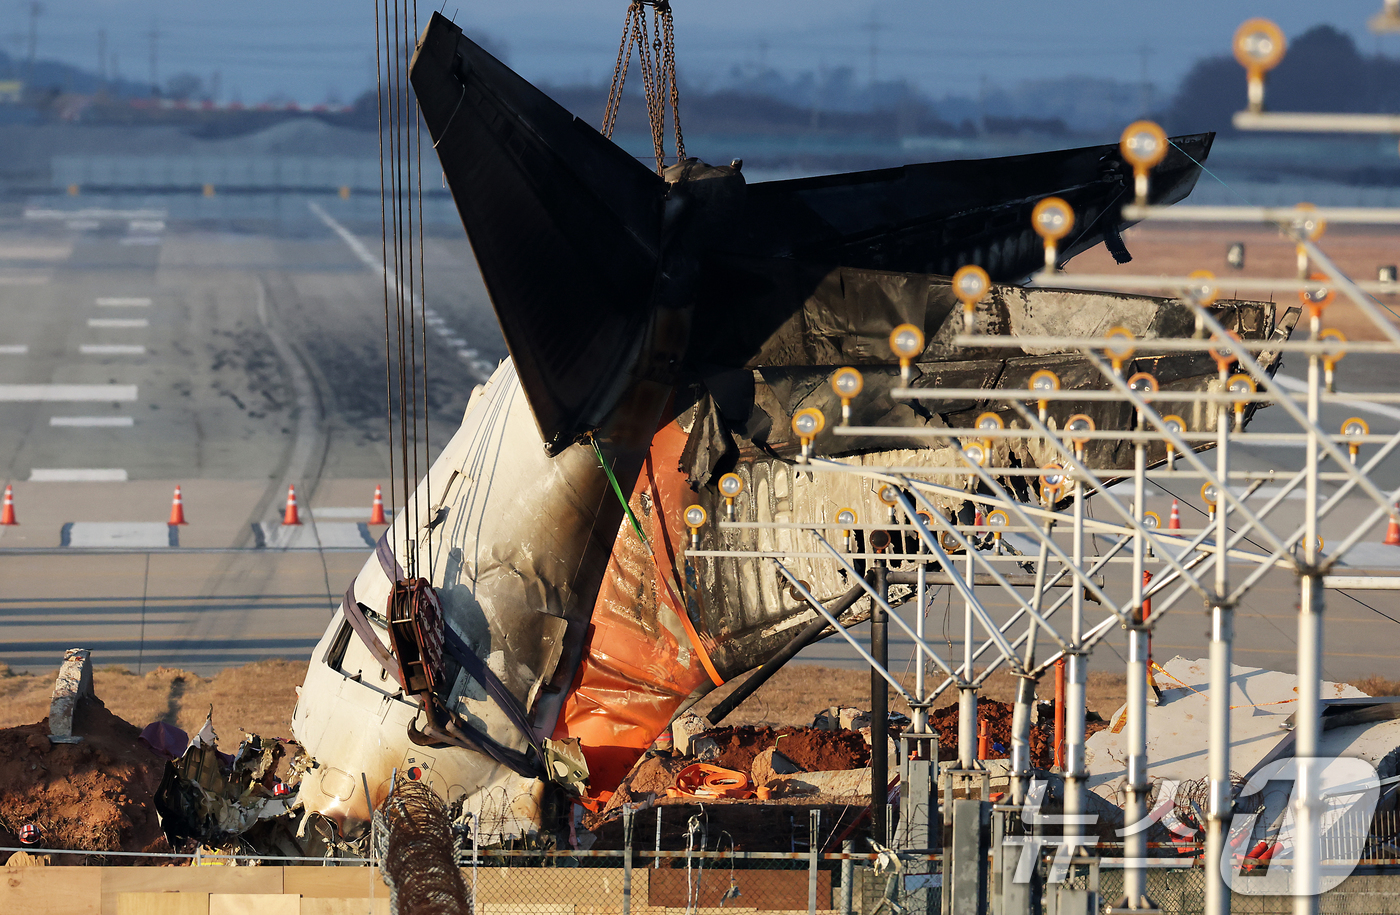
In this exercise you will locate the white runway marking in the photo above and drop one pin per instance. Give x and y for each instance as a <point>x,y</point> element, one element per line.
<point>141,240</point>
<point>1293,384</point>
<point>81,225</point>
<point>30,280</point>
<point>336,535</point>
<point>362,512</point>
<point>112,349</point>
<point>92,422</point>
<point>14,349</point>
<point>120,301</point>
<point>72,393</point>
<point>118,322</point>
<point>92,213</point>
<point>77,475</point>
<point>478,367</point>
<point>35,252</point>
<point>138,534</point>
<point>146,225</point>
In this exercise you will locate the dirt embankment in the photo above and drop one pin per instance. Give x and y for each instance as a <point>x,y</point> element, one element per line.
<point>97,794</point>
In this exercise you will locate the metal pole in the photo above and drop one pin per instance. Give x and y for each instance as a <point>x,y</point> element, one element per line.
<point>967,693</point>
<point>476,828</point>
<point>1024,709</point>
<point>1222,637</point>
<point>814,846</point>
<point>920,713</point>
<point>656,862</point>
<point>626,860</point>
<point>848,875</point>
<point>1135,844</point>
<point>879,709</point>
<point>1076,677</point>
<point>1307,727</point>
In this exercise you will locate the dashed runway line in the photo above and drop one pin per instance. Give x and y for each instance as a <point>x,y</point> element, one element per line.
<point>475,364</point>
<point>14,349</point>
<point>118,322</point>
<point>69,393</point>
<point>77,475</point>
<point>112,349</point>
<point>92,422</point>
<point>117,301</point>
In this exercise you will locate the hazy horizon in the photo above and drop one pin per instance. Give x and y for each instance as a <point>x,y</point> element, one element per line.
<point>317,49</point>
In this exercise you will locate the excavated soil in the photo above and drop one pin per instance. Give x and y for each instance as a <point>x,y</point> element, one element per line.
<point>97,795</point>
<point>812,750</point>
<point>998,717</point>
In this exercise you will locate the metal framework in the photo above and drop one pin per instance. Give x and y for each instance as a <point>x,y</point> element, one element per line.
<point>1217,564</point>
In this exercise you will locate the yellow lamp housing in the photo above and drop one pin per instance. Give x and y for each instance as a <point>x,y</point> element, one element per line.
<point>889,494</point>
<point>1052,220</point>
<point>1079,423</point>
<point>847,383</point>
<point>1120,346</point>
<point>806,425</point>
<point>1240,383</point>
<point>1044,380</point>
<point>975,453</point>
<point>1259,46</point>
<point>730,486</point>
<point>1144,384</point>
<point>998,521</point>
<point>1052,480</point>
<point>1334,351</point>
<point>1175,425</point>
<point>1204,292</point>
<point>849,518</point>
<point>1317,297</point>
<point>907,343</point>
<point>695,517</point>
<point>970,284</point>
<point>1355,426</point>
<point>1223,360</point>
<point>1143,145</point>
<point>1210,494</point>
<point>1152,521</point>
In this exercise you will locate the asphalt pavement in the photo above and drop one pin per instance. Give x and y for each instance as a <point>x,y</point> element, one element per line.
<point>232,358</point>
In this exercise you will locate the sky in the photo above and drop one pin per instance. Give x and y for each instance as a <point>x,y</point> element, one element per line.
<point>311,50</point>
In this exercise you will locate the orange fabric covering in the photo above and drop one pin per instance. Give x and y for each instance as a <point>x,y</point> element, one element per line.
<point>640,662</point>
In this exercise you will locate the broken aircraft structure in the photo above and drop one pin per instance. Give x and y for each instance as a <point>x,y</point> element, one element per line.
<point>663,330</point>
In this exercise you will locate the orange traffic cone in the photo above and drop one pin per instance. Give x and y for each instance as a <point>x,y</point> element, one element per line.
<point>291,516</point>
<point>177,509</point>
<point>1392,533</point>
<point>376,513</point>
<point>1174,522</point>
<point>7,514</point>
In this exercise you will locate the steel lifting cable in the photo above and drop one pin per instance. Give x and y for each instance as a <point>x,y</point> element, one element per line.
<point>379,78</point>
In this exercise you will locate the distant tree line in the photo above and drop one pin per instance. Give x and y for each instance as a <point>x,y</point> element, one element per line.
<point>1322,71</point>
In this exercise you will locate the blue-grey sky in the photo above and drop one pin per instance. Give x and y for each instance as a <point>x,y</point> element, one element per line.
<point>312,49</point>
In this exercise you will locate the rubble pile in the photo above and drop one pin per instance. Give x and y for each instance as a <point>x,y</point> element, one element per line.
<point>97,794</point>
<point>997,715</point>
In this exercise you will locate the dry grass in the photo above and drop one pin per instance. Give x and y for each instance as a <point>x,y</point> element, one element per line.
<point>797,693</point>
<point>256,698</point>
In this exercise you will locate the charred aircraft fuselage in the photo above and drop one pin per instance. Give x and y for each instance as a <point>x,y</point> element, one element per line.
<point>663,329</point>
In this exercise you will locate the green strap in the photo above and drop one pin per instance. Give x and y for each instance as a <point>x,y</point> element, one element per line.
<point>618,490</point>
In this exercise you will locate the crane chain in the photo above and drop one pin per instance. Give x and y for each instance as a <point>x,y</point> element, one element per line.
<point>656,57</point>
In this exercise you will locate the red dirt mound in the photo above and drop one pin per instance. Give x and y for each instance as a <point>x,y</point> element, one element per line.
<point>97,795</point>
<point>809,748</point>
<point>998,717</point>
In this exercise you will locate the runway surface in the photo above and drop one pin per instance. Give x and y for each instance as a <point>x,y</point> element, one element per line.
<point>139,352</point>
<point>233,358</point>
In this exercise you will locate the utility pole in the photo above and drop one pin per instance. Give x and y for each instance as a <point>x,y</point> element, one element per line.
<point>1145,52</point>
<point>874,27</point>
<point>35,10</point>
<point>154,36</point>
